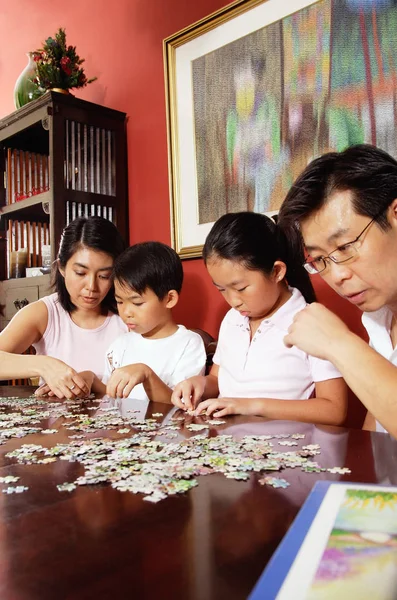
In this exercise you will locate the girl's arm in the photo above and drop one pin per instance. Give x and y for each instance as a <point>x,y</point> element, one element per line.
<point>328,407</point>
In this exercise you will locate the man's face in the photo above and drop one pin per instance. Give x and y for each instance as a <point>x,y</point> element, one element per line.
<point>369,279</point>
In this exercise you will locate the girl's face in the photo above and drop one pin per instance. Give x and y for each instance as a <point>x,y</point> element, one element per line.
<point>252,293</point>
<point>88,278</point>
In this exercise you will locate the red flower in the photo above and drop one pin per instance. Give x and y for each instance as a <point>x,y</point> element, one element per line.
<point>65,65</point>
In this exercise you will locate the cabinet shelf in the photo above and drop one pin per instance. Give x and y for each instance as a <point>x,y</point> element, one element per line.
<point>74,149</point>
<point>36,208</point>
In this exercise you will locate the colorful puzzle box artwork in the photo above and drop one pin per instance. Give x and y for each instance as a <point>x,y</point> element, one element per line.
<point>343,544</point>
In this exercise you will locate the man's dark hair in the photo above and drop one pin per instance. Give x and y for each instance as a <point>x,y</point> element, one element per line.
<point>257,242</point>
<point>367,172</point>
<point>150,265</point>
<point>94,233</point>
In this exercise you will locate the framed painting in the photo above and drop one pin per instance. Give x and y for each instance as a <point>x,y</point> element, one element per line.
<point>261,87</point>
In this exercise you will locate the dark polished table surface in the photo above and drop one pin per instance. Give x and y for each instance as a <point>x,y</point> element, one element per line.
<point>212,542</point>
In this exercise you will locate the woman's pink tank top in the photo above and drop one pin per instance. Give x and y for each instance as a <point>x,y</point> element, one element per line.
<point>82,349</point>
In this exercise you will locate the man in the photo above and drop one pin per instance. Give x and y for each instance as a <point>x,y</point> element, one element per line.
<point>344,206</point>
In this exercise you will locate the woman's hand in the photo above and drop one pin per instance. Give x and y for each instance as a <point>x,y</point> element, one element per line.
<point>61,380</point>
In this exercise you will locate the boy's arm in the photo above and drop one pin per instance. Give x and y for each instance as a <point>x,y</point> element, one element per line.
<point>124,379</point>
<point>191,361</point>
<point>155,388</point>
<point>369,422</point>
<point>98,388</point>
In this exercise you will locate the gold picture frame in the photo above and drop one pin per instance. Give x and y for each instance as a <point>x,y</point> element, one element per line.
<point>257,89</point>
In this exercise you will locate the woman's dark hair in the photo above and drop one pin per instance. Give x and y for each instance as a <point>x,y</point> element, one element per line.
<point>256,241</point>
<point>95,233</point>
<point>150,265</point>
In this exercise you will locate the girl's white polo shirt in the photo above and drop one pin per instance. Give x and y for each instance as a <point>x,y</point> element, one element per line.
<point>265,367</point>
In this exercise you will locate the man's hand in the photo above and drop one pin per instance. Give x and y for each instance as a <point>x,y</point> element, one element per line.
<point>317,331</point>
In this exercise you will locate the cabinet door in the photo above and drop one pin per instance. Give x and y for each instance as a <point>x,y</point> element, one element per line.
<point>16,298</point>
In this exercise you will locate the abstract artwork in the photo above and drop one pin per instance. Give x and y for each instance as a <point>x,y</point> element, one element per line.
<point>258,89</point>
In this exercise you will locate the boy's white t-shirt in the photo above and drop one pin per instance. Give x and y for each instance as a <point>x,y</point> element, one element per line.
<point>173,358</point>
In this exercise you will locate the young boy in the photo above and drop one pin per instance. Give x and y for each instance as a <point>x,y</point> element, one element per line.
<point>156,353</point>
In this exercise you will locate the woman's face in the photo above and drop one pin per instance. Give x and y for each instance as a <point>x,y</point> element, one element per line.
<point>88,278</point>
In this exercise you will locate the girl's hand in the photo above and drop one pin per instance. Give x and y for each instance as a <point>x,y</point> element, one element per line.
<point>224,406</point>
<point>187,394</point>
<point>316,330</point>
<point>61,380</point>
<point>123,380</point>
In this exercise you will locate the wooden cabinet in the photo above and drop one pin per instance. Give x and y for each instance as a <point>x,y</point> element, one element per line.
<point>60,158</point>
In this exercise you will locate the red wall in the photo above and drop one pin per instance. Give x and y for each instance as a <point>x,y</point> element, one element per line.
<point>122,45</point>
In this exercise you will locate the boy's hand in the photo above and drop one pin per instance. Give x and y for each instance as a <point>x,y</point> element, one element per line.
<point>123,380</point>
<point>224,406</point>
<point>187,393</point>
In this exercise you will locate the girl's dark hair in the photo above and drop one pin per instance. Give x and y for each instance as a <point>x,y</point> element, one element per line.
<point>150,265</point>
<point>95,233</point>
<point>256,241</point>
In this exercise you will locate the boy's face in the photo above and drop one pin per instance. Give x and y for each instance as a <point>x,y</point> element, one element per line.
<point>369,278</point>
<point>143,313</point>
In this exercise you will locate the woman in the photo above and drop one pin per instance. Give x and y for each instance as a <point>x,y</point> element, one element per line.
<point>72,328</point>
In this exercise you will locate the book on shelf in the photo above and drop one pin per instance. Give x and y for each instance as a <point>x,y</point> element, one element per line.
<point>27,174</point>
<point>342,544</point>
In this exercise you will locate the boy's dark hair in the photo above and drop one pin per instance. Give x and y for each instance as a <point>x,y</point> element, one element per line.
<point>95,233</point>
<point>150,265</point>
<point>257,242</point>
<point>369,173</point>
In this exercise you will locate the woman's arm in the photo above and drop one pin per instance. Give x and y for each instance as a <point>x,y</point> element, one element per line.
<point>328,408</point>
<point>26,328</point>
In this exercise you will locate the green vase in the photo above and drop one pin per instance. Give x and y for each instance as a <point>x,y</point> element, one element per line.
<point>25,90</point>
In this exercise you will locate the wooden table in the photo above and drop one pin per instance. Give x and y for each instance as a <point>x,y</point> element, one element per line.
<point>211,543</point>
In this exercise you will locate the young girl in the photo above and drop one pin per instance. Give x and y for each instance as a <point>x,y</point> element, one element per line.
<point>72,328</point>
<point>254,373</point>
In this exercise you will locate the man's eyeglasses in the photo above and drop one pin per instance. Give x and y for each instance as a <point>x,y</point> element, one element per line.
<point>340,255</point>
